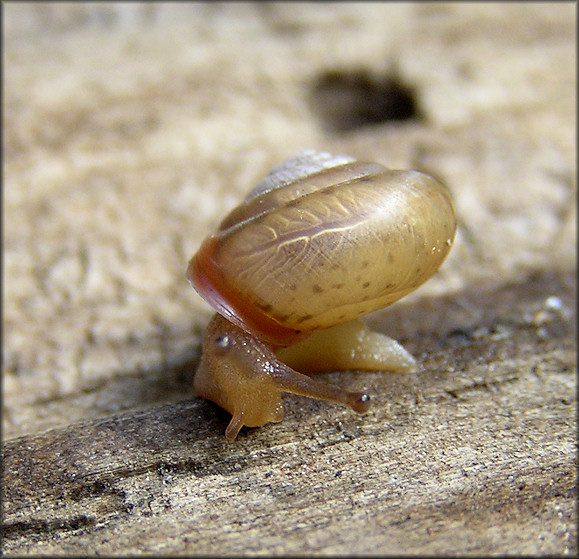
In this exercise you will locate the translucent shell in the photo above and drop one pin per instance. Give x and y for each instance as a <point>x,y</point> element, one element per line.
<point>322,240</point>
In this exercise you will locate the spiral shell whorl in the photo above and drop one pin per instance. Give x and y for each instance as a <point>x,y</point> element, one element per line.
<point>298,167</point>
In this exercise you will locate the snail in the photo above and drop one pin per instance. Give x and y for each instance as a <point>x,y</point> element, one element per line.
<point>322,240</point>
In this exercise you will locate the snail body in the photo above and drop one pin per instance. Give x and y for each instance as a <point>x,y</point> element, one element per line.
<point>321,241</point>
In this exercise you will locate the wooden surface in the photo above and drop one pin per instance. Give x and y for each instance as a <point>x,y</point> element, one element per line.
<point>129,131</point>
<point>475,454</point>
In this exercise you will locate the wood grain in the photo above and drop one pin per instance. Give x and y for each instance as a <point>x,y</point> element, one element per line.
<point>474,454</point>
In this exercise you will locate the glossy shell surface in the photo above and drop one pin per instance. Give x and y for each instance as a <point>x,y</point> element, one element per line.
<point>322,240</point>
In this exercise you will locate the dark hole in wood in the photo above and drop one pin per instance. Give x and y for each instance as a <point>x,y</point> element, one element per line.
<point>350,100</point>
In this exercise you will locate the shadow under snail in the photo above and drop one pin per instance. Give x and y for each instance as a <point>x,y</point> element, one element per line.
<point>321,241</point>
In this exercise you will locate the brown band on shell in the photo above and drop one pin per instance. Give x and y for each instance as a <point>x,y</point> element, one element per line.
<point>207,279</point>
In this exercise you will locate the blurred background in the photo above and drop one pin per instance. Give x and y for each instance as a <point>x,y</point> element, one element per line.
<point>130,129</point>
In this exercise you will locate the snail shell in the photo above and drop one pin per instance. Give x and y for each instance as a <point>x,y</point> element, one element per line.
<point>322,240</point>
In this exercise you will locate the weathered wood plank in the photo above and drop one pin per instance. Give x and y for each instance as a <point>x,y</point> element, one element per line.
<point>474,454</point>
